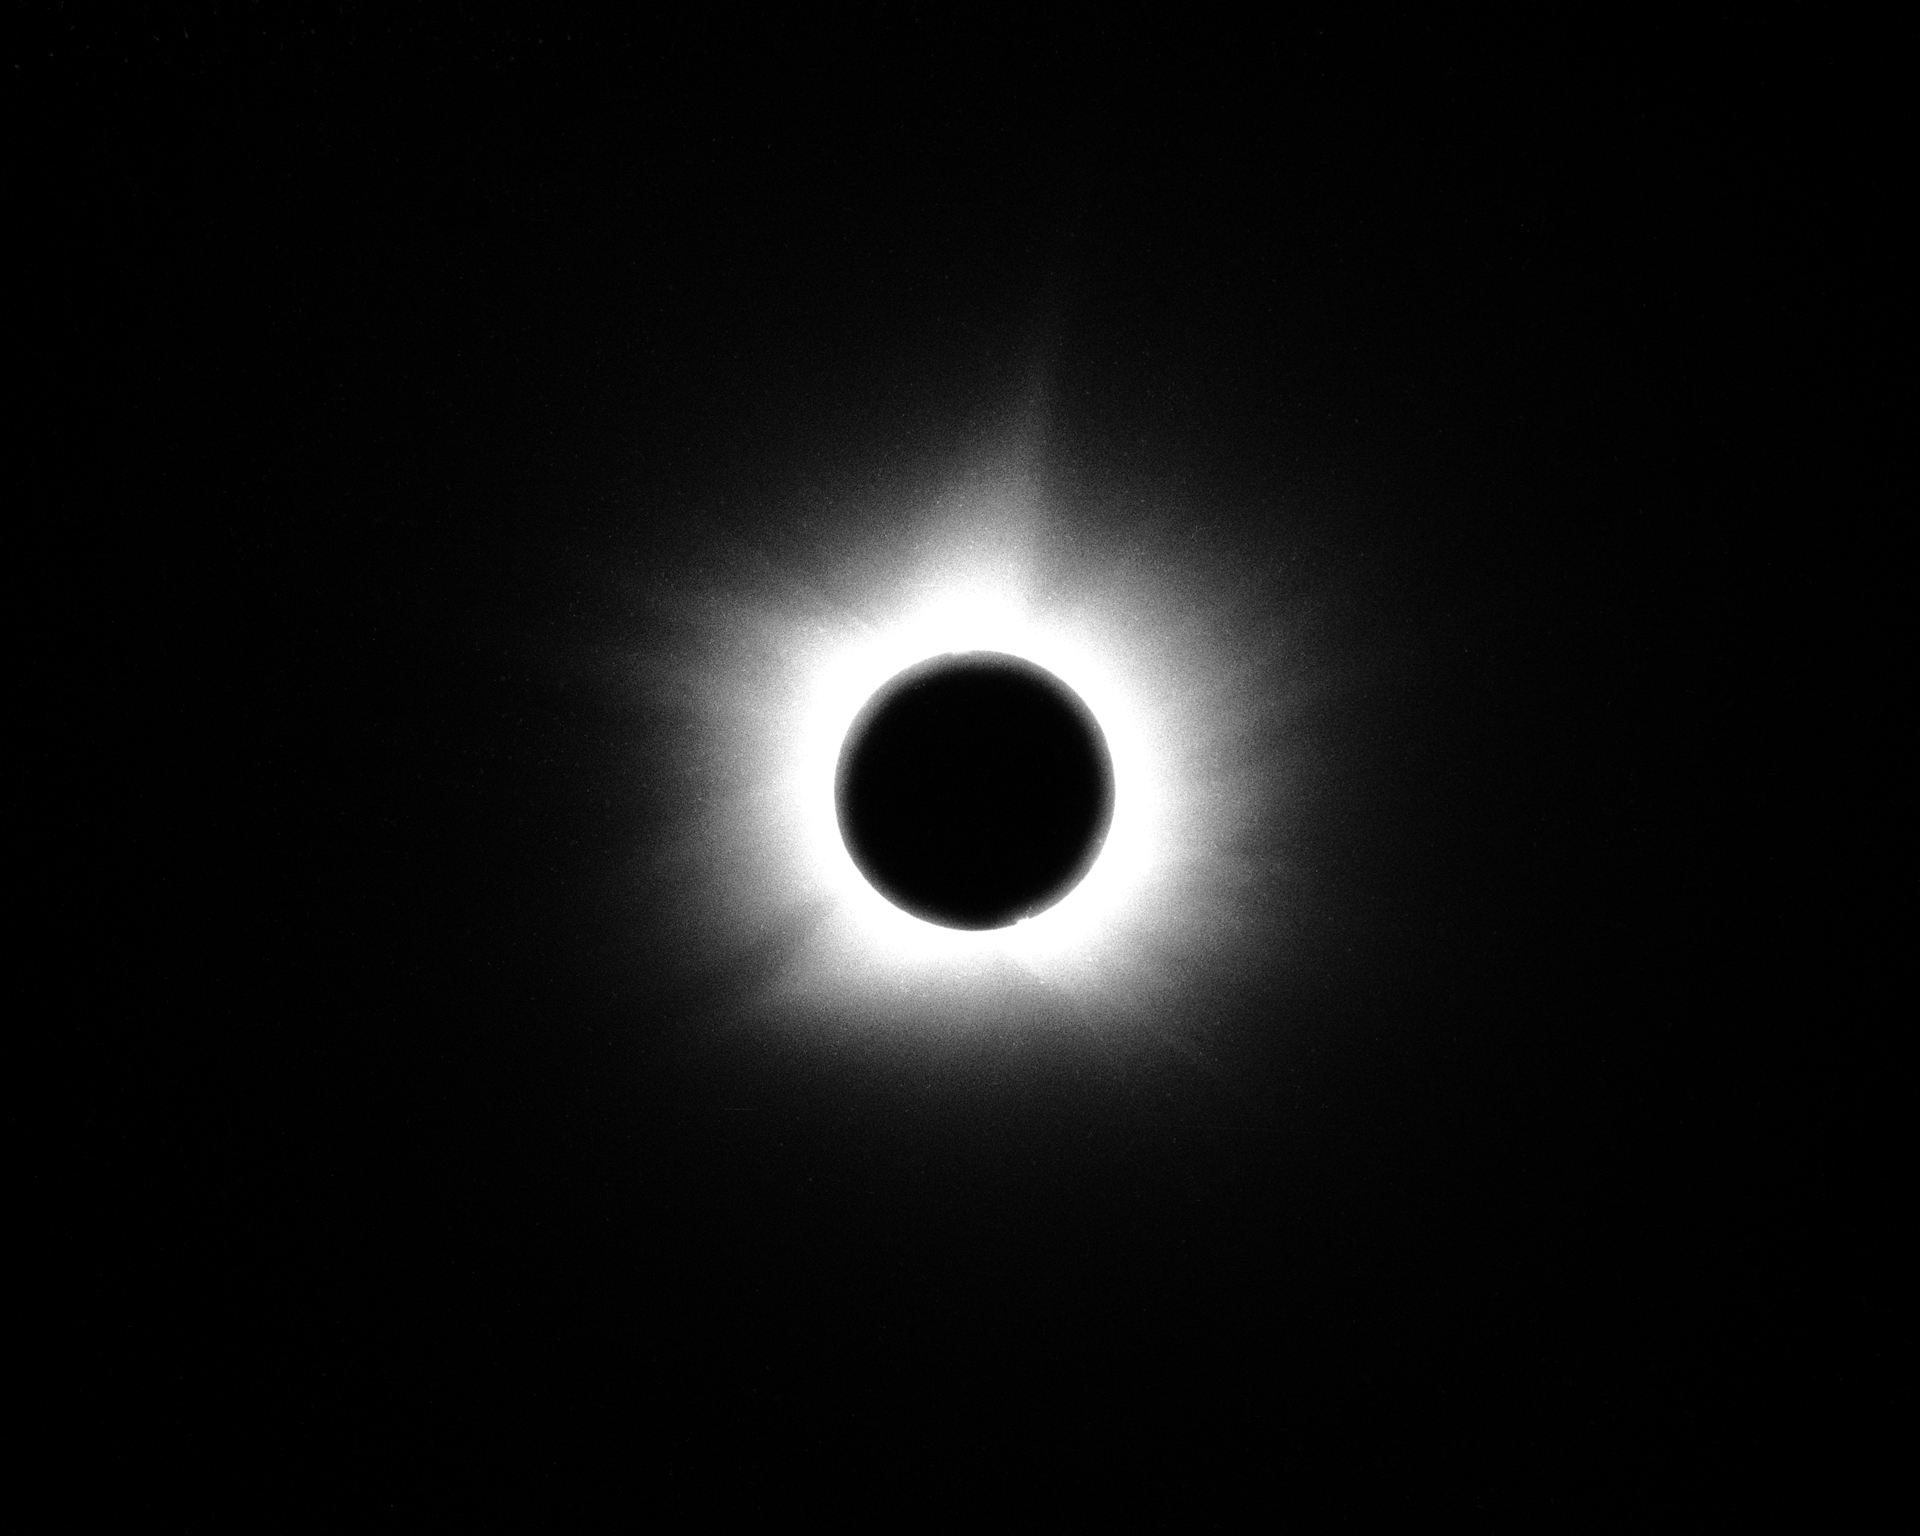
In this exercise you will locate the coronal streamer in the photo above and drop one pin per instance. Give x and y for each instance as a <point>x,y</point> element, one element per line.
<point>1176,650</point>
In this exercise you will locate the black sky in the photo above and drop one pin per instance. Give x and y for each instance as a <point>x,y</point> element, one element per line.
<point>405,351</point>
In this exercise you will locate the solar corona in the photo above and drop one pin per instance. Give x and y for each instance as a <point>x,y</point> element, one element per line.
<point>975,761</point>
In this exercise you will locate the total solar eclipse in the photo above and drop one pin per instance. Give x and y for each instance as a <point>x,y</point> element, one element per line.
<point>974,790</point>
<point>986,764</point>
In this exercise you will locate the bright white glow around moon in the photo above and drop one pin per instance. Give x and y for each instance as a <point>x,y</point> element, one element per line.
<point>1178,656</point>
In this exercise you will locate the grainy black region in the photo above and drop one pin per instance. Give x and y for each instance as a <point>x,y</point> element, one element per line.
<point>391,357</point>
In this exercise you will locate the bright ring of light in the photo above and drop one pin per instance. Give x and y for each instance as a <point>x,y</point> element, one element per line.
<point>777,675</point>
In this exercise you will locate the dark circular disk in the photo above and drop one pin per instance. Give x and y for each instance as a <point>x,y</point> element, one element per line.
<point>974,790</point>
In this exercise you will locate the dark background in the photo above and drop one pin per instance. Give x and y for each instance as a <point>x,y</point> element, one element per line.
<point>383,348</point>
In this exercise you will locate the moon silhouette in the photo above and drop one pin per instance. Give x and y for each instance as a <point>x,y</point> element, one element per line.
<point>974,790</point>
